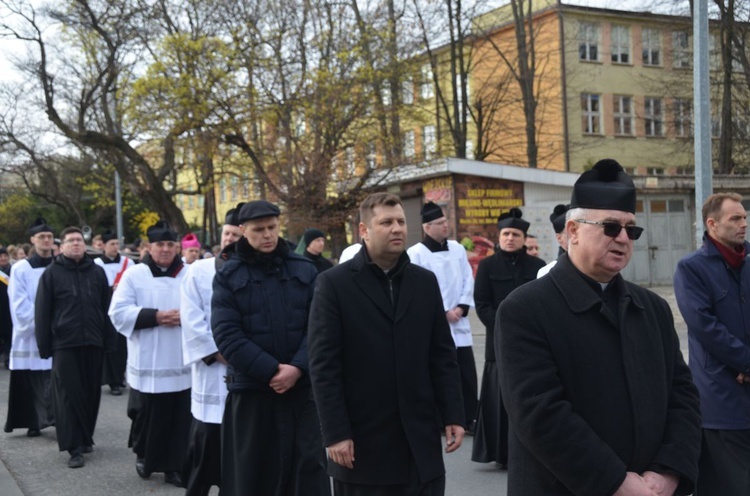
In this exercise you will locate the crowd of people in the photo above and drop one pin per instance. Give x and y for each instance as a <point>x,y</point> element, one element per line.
<point>263,369</point>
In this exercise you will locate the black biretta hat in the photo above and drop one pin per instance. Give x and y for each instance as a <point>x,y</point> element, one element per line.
<point>108,235</point>
<point>512,218</point>
<point>232,217</point>
<point>40,225</point>
<point>257,210</point>
<point>161,232</point>
<point>605,187</point>
<point>431,211</point>
<point>557,217</point>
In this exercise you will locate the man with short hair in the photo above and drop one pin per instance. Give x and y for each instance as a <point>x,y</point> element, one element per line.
<point>191,248</point>
<point>145,309</point>
<point>270,433</point>
<point>114,266</point>
<point>73,327</point>
<point>383,365</point>
<point>711,286</point>
<point>209,391</point>
<point>497,276</point>
<point>599,398</point>
<point>311,246</point>
<point>29,404</point>
<point>532,245</point>
<point>4,260</point>
<point>6,323</point>
<point>447,259</point>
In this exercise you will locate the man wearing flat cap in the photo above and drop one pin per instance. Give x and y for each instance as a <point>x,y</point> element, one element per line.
<point>271,440</point>
<point>29,403</point>
<point>497,276</point>
<point>145,309</point>
<point>114,266</point>
<point>599,398</point>
<point>447,259</point>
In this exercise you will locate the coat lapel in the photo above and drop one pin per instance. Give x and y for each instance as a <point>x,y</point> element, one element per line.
<point>406,292</point>
<point>366,280</point>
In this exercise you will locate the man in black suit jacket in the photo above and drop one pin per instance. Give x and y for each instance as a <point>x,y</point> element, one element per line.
<point>383,365</point>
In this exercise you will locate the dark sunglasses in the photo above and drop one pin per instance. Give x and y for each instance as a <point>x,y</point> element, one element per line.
<point>613,229</point>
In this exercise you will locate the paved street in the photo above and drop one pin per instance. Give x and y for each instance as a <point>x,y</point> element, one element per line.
<point>34,466</point>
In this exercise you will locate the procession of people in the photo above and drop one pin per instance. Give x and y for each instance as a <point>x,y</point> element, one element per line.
<point>269,370</point>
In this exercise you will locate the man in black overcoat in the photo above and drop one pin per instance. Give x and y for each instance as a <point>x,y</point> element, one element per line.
<point>383,365</point>
<point>599,397</point>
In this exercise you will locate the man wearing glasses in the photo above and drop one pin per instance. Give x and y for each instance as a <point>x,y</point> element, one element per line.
<point>599,397</point>
<point>72,326</point>
<point>28,399</point>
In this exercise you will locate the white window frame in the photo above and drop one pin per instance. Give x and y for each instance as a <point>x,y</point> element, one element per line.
<point>620,44</point>
<point>623,115</point>
<point>591,113</point>
<point>371,155</point>
<point>407,91</point>
<point>682,109</point>
<point>408,144</point>
<point>681,50</point>
<point>427,90</point>
<point>651,44</point>
<point>653,117</point>
<point>429,141</point>
<point>588,41</point>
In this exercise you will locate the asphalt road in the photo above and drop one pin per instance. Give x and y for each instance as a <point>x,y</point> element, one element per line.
<point>35,467</point>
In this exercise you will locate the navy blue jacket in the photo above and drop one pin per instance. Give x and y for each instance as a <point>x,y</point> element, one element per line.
<point>259,313</point>
<point>715,302</point>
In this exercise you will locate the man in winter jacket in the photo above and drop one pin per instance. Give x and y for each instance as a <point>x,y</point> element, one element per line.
<point>271,441</point>
<point>599,398</point>
<point>712,287</point>
<point>72,326</point>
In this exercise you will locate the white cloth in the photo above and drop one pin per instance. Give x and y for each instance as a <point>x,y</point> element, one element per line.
<point>24,352</point>
<point>456,282</point>
<point>544,270</point>
<point>112,269</point>
<point>349,252</point>
<point>209,392</point>
<point>155,353</point>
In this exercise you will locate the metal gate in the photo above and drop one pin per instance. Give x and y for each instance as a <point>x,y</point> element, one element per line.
<point>668,237</point>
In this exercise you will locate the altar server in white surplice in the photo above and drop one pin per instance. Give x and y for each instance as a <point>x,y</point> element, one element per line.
<point>145,309</point>
<point>203,464</point>
<point>447,259</point>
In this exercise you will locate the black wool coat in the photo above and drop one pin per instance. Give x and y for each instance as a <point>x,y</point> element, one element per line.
<point>591,395</point>
<point>497,276</point>
<point>382,373</point>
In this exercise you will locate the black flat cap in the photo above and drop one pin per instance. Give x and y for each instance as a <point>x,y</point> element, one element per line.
<point>40,225</point>
<point>257,210</point>
<point>431,211</point>
<point>557,217</point>
<point>161,232</point>
<point>512,218</point>
<point>605,187</point>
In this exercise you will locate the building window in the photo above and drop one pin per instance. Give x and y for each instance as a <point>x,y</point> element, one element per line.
<point>245,185</point>
<point>371,155</point>
<point>408,144</point>
<point>683,117</point>
<point>620,44</point>
<point>623,114</point>
<point>427,91</point>
<point>714,52</point>
<point>653,117</point>
<point>385,92</point>
<point>469,149</point>
<point>651,41</point>
<point>588,41</point>
<point>200,201</point>
<point>222,190</point>
<point>591,112</point>
<point>350,159</point>
<point>233,190</point>
<point>680,50</point>
<point>429,141</point>
<point>407,91</point>
<point>191,202</point>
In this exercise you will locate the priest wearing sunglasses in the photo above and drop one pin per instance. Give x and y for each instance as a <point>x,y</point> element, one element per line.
<point>599,398</point>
